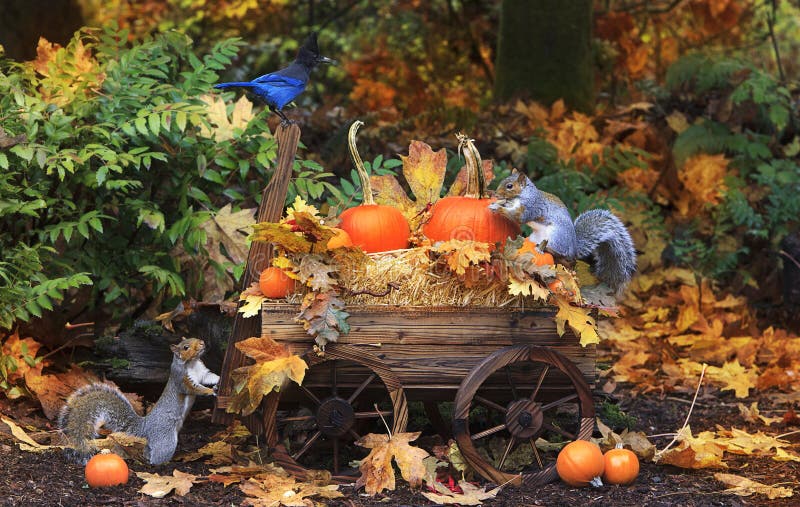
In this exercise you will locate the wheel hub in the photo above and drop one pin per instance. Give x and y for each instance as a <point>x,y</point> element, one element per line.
<point>524,419</point>
<point>335,417</point>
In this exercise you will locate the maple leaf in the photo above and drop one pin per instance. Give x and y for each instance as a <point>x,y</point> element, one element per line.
<point>282,236</point>
<point>315,272</point>
<point>702,177</point>
<point>275,490</point>
<point>219,453</point>
<point>734,377</point>
<point>159,486</point>
<point>634,440</point>
<point>701,451</point>
<point>752,414</point>
<point>461,254</point>
<point>222,128</point>
<point>226,232</point>
<point>323,317</point>
<point>21,353</point>
<point>274,366</point>
<point>232,474</point>
<point>377,473</point>
<point>301,206</point>
<point>424,171</point>
<point>470,495</point>
<point>252,305</point>
<point>743,486</point>
<point>579,320</point>
<point>527,287</point>
<point>52,390</point>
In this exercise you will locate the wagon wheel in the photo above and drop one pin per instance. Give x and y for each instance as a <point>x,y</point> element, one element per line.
<point>333,408</point>
<point>512,398</point>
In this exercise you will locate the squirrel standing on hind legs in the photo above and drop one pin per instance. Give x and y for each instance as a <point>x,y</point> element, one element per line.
<point>96,405</point>
<point>595,234</point>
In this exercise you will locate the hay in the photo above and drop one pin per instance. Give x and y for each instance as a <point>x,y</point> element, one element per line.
<point>420,283</point>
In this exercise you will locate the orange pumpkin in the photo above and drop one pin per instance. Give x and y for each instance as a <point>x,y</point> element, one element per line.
<point>372,227</point>
<point>275,283</point>
<point>106,469</point>
<point>621,466</point>
<point>539,258</point>
<point>340,239</point>
<point>580,463</point>
<point>468,217</point>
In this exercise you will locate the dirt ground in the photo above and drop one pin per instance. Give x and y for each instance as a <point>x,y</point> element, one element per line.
<point>29,479</point>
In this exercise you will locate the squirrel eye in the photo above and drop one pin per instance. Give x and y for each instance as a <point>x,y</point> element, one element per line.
<point>509,186</point>
<point>185,347</point>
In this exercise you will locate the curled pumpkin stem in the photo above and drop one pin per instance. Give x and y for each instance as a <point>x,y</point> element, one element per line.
<point>366,186</point>
<point>476,181</point>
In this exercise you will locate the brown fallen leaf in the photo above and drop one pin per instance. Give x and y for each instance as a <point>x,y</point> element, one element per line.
<point>743,486</point>
<point>26,443</point>
<point>272,491</point>
<point>159,486</point>
<point>228,475</point>
<point>124,445</point>
<point>377,472</point>
<point>472,495</point>
<point>218,453</point>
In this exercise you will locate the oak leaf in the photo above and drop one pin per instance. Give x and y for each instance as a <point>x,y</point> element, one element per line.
<point>323,317</point>
<point>377,472</point>
<point>159,486</point>
<point>315,272</point>
<point>527,287</point>
<point>461,254</point>
<point>274,366</point>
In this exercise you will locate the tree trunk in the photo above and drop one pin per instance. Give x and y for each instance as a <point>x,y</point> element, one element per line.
<point>544,52</point>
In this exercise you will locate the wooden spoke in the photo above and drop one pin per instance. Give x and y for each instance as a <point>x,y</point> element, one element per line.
<point>559,402</point>
<point>489,403</point>
<point>298,418</point>
<point>490,431</point>
<point>360,388</point>
<point>510,383</point>
<point>511,444</point>
<point>558,430</point>
<point>336,456</point>
<point>539,382</point>
<point>372,414</point>
<point>536,453</point>
<point>311,395</point>
<point>334,387</point>
<point>307,445</point>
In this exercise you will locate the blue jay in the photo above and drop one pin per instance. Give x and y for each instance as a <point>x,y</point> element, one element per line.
<point>281,87</point>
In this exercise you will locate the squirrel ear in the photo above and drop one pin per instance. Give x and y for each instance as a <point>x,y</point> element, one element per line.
<point>521,177</point>
<point>514,171</point>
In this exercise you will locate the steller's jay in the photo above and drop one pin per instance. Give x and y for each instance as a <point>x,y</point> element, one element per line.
<point>281,87</point>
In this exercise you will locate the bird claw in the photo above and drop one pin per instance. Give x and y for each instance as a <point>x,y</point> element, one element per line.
<point>285,122</point>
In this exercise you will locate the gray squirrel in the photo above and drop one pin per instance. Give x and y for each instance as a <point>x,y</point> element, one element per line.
<point>98,404</point>
<point>596,234</point>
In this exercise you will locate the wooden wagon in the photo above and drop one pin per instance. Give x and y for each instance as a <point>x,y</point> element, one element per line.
<point>497,380</point>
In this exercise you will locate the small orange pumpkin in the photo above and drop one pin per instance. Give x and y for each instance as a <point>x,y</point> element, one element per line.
<point>621,466</point>
<point>340,239</point>
<point>275,283</point>
<point>468,217</point>
<point>539,258</point>
<point>372,227</point>
<point>106,469</point>
<point>580,463</point>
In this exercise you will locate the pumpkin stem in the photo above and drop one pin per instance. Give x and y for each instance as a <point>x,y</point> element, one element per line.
<point>476,181</point>
<point>366,186</point>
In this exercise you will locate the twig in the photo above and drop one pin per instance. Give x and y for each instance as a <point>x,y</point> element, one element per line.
<point>686,422</point>
<point>382,419</point>
<point>787,434</point>
<point>389,287</point>
<point>786,254</point>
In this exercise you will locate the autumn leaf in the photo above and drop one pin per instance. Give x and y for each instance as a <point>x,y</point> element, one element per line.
<point>21,354</point>
<point>743,486</point>
<point>221,127</point>
<point>633,440</point>
<point>252,305</point>
<point>232,474</point>
<point>752,414</point>
<point>282,236</point>
<point>316,272</point>
<point>25,442</point>
<point>275,490</point>
<point>701,451</point>
<point>52,389</point>
<point>527,287</point>
<point>377,472</point>
<point>159,486</point>
<point>702,177</point>
<point>274,366</point>
<point>734,377</point>
<point>226,234</point>
<point>471,494</point>
<point>217,452</point>
<point>579,320</point>
<point>300,206</point>
<point>461,254</point>
<point>122,444</point>
<point>323,317</point>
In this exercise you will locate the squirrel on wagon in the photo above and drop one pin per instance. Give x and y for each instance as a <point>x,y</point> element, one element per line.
<point>596,234</point>
<point>96,405</point>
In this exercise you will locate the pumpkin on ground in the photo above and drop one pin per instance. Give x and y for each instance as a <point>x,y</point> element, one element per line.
<point>621,466</point>
<point>275,283</point>
<point>372,227</point>
<point>468,217</point>
<point>580,463</point>
<point>106,469</point>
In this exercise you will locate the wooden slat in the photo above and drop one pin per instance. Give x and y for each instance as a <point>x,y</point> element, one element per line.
<point>270,210</point>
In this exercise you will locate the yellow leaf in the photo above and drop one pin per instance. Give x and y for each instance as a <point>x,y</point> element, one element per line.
<point>735,377</point>
<point>217,114</point>
<point>282,236</point>
<point>377,473</point>
<point>25,443</point>
<point>695,452</point>
<point>300,206</point>
<point>702,177</point>
<point>159,486</point>
<point>472,494</point>
<point>252,305</point>
<point>579,320</point>
<point>424,170</point>
<point>743,486</point>
<point>677,122</point>
<point>461,254</point>
<point>271,490</point>
<point>527,288</point>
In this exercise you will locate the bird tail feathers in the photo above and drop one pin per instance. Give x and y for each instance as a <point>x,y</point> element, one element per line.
<point>235,84</point>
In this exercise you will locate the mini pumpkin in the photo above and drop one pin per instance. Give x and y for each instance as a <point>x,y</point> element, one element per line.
<point>106,469</point>
<point>539,258</point>
<point>372,227</point>
<point>468,217</point>
<point>580,463</point>
<point>339,239</point>
<point>621,466</point>
<point>275,283</point>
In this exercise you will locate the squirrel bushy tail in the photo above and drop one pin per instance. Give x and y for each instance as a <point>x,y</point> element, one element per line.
<point>99,405</point>
<point>603,236</point>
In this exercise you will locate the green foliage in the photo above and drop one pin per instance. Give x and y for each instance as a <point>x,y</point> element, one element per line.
<point>615,418</point>
<point>117,168</point>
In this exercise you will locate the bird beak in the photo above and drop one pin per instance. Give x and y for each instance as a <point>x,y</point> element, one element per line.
<point>325,59</point>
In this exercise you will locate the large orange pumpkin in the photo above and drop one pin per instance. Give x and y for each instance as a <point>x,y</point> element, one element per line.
<point>372,227</point>
<point>275,283</point>
<point>580,463</point>
<point>468,217</point>
<point>106,469</point>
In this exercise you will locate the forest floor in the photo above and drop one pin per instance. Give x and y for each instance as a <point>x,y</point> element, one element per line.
<point>46,479</point>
